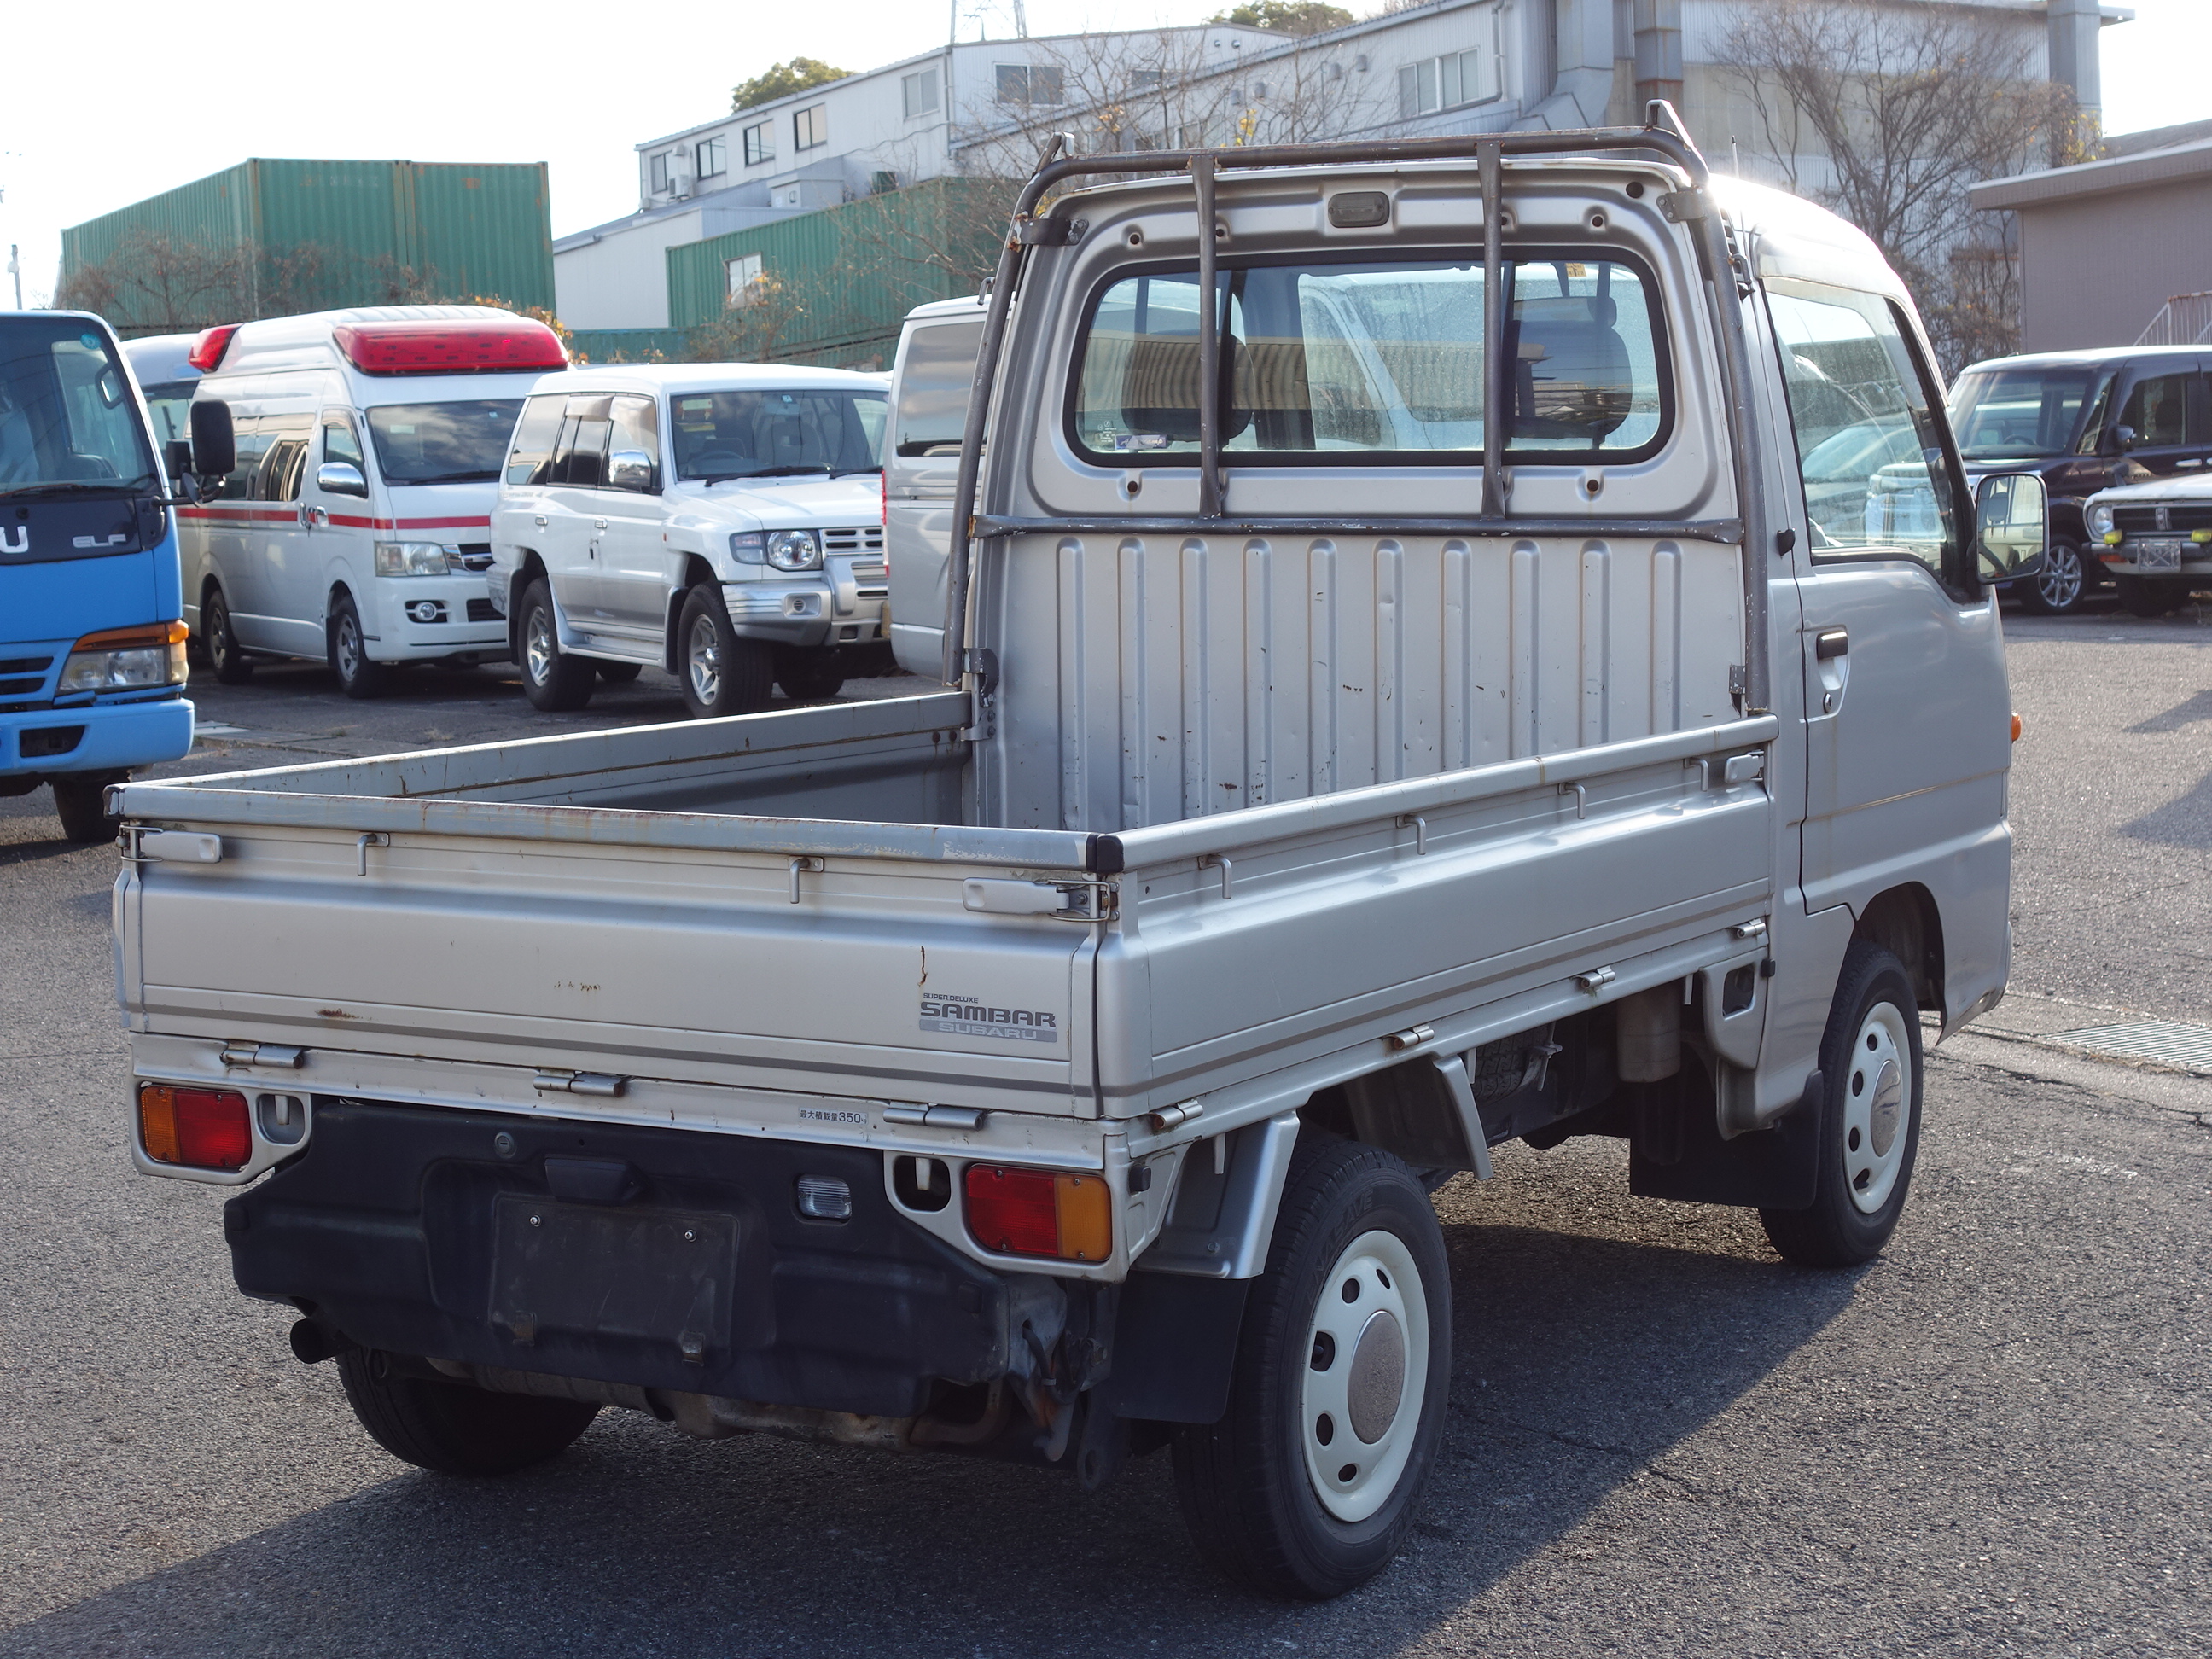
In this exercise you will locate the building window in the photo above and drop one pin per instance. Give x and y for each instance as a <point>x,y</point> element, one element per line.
<point>1031,83</point>
<point>760,144</point>
<point>745,275</point>
<point>1144,79</point>
<point>1456,78</point>
<point>920,92</point>
<point>710,154</point>
<point>810,127</point>
<point>657,172</point>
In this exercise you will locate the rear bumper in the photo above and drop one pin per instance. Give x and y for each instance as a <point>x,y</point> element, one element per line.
<point>98,738</point>
<point>409,1230</point>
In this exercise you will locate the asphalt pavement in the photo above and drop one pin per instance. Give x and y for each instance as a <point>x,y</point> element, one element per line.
<point>1993,1441</point>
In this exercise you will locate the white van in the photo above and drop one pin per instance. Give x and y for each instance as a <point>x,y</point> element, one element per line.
<point>162,365</point>
<point>356,526</point>
<point>931,379</point>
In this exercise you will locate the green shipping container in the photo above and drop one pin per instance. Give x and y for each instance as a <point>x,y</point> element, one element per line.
<point>837,283</point>
<point>269,238</point>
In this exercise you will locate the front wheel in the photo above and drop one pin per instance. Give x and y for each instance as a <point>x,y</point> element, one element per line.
<point>82,805</point>
<point>1308,1485</point>
<point>360,675</point>
<point>722,673</point>
<point>452,1428</point>
<point>551,680</point>
<point>1869,1127</point>
<point>2059,588</point>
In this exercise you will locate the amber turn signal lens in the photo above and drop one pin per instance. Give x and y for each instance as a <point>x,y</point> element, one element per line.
<point>1036,1212</point>
<point>195,1129</point>
<point>2017,728</point>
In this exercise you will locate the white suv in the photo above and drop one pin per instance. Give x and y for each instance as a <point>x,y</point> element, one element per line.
<point>721,520</point>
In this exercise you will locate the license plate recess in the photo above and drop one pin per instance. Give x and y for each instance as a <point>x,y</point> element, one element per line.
<point>646,1275</point>
<point>2159,555</point>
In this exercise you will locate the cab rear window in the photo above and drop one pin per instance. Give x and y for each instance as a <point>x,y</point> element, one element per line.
<point>1343,360</point>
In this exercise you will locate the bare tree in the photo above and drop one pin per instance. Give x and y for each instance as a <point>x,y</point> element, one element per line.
<point>1887,113</point>
<point>760,322</point>
<point>156,283</point>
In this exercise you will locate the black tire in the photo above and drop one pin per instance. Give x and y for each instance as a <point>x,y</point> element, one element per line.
<point>452,1428</point>
<point>806,675</point>
<point>360,675</point>
<point>617,673</point>
<point>80,802</point>
<point>232,666</point>
<point>551,680</point>
<point>1249,1495</point>
<point>1860,1160</point>
<point>2143,597</point>
<point>721,673</point>
<point>2064,583</point>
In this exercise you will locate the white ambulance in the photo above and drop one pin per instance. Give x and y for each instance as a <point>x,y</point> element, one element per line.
<point>356,527</point>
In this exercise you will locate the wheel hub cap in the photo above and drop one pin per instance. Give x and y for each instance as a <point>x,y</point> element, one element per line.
<point>1366,1371</point>
<point>1877,1108</point>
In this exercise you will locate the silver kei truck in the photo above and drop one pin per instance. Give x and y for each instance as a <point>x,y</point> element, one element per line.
<point>1402,702</point>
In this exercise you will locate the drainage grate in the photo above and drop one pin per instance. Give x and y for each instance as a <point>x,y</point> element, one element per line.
<point>2189,1046</point>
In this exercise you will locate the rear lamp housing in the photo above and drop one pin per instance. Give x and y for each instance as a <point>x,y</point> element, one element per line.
<point>1039,1212</point>
<point>195,1129</point>
<point>127,660</point>
<point>451,345</point>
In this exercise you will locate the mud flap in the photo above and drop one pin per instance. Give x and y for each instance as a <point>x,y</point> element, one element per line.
<point>1770,1169</point>
<point>1175,1347</point>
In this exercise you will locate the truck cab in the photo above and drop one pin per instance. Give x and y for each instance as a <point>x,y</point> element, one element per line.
<point>92,643</point>
<point>723,521</point>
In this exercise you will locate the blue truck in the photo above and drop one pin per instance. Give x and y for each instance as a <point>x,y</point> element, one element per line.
<point>92,635</point>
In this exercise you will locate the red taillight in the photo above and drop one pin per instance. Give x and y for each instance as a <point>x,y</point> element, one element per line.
<point>207,350</point>
<point>451,345</point>
<point>198,1128</point>
<point>1034,1212</point>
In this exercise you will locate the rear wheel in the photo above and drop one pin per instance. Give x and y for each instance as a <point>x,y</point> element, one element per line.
<point>551,680</point>
<point>81,803</point>
<point>1308,1485</point>
<point>2143,598</point>
<point>722,673</point>
<point>2062,585</point>
<point>452,1427</point>
<point>358,674</point>
<point>230,664</point>
<point>1869,1128</point>
<point>806,675</point>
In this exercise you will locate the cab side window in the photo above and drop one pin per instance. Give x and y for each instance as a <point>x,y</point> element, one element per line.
<point>637,427</point>
<point>2158,409</point>
<point>580,459</point>
<point>341,442</point>
<point>254,434</point>
<point>1869,448</point>
<point>530,461</point>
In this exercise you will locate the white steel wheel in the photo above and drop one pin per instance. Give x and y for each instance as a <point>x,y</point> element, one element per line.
<point>1367,1371</point>
<point>1874,1105</point>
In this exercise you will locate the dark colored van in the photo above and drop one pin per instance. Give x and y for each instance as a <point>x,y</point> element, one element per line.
<point>2086,421</point>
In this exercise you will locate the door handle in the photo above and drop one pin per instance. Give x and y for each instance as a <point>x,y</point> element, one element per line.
<point>598,523</point>
<point>1831,642</point>
<point>540,523</point>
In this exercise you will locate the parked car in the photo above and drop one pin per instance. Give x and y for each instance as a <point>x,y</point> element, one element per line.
<point>356,527</point>
<point>2154,541</point>
<point>1056,1066</point>
<point>92,644</point>
<point>724,521</point>
<point>2085,421</point>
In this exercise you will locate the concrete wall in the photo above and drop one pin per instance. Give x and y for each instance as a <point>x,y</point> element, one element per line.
<point>2095,269</point>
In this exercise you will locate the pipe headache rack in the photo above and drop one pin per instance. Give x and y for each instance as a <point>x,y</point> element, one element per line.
<point>1726,277</point>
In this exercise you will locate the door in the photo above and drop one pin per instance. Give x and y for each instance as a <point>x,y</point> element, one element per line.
<point>236,543</point>
<point>571,509</point>
<point>935,372</point>
<point>2164,410</point>
<point>1907,717</point>
<point>636,571</point>
<point>290,562</point>
<point>337,532</point>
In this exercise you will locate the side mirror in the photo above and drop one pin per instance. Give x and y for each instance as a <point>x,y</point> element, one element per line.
<point>214,447</point>
<point>177,460</point>
<point>2011,525</point>
<point>2121,440</point>
<point>341,478</point>
<point>630,469</point>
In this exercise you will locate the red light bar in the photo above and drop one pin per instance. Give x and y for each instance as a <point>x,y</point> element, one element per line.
<point>207,350</point>
<point>451,345</point>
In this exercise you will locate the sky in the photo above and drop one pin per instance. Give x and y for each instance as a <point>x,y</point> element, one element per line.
<point>96,115</point>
